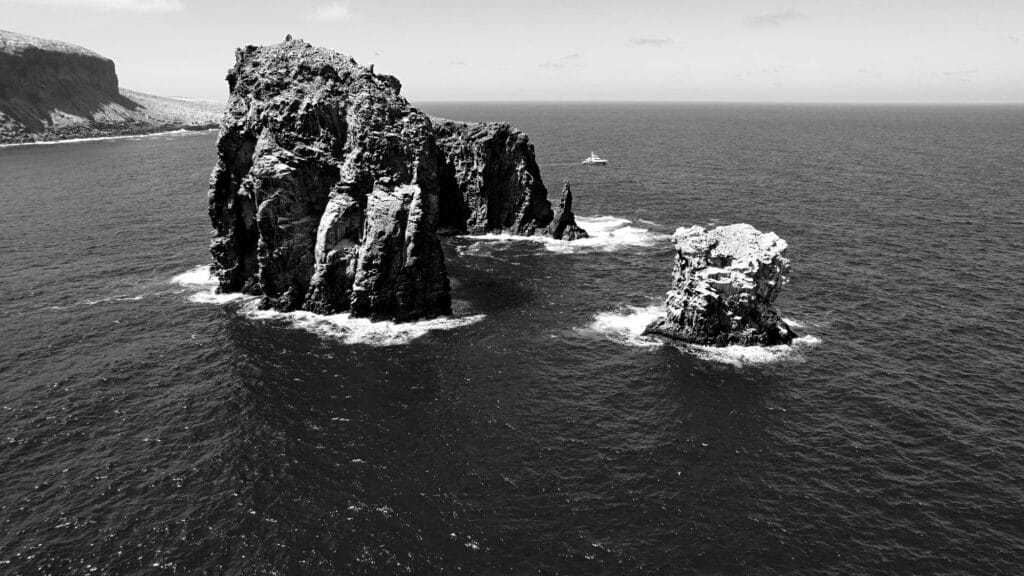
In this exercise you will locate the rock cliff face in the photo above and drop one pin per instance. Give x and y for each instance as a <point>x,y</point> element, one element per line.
<point>724,287</point>
<point>41,76</point>
<point>490,181</point>
<point>51,90</point>
<point>325,195</point>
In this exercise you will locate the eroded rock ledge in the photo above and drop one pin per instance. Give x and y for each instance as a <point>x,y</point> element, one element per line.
<point>724,287</point>
<point>330,188</point>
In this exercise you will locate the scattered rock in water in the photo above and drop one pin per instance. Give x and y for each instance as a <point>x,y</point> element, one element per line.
<point>564,226</point>
<point>724,287</point>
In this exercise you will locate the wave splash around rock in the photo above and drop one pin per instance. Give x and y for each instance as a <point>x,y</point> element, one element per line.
<point>724,287</point>
<point>330,188</point>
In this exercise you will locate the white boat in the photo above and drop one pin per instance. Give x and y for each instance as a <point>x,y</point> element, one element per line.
<point>594,159</point>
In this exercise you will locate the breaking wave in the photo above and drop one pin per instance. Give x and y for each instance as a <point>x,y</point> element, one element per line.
<point>198,276</point>
<point>202,277</point>
<point>351,330</point>
<point>742,356</point>
<point>607,234</point>
<point>337,326</point>
<point>626,326</point>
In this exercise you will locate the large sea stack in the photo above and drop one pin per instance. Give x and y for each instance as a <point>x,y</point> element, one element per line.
<point>330,188</point>
<point>724,287</point>
<point>325,195</point>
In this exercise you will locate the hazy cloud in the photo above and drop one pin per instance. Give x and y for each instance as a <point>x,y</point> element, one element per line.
<point>567,60</point>
<point>966,76</point>
<point>331,12</point>
<point>457,63</point>
<point>111,5</point>
<point>650,41</point>
<point>772,19</point>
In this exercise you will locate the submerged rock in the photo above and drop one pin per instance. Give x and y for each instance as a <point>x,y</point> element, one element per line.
<point>564,227</point>
<point>724,287</point>
<point>490,181</point>
<point>325,193</point>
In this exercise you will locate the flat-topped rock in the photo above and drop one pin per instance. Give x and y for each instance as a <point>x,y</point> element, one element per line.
<point>51,90</point>
<point>724,286</point>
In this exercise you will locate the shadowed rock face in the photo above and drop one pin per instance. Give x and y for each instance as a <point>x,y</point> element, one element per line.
<point>724,287</point>
<point>325,194</point>
<point>489,180</point>
<point>41,76</point>
<point>564,227</point>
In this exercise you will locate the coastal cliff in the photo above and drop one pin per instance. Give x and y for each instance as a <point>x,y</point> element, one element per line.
<point>724,287</point>
<point>53,90</point>
<point>325,195</point>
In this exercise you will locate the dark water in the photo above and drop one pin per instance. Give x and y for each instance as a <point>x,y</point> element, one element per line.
<point>148,428</point>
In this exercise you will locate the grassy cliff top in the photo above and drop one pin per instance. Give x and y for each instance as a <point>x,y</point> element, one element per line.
<point>14,43</point>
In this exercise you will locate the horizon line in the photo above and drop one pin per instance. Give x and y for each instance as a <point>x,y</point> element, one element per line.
<point>740,102</point>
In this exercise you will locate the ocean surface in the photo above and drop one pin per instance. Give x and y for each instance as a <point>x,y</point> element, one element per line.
<point>149,426</point>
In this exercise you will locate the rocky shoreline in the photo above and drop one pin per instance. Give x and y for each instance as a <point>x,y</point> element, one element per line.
<point>100,133</point>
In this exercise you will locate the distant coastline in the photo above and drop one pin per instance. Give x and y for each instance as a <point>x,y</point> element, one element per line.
<point>141,134</point>
<point>55,91</point>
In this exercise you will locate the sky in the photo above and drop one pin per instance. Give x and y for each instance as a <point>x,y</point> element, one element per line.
<point>864,51</point>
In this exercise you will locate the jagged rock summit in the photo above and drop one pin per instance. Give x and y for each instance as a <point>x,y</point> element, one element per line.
<point>325,195</point>
<point>564,227</point>
<point>53,90</point>
<point>724,287</point>
<point>330,187</point>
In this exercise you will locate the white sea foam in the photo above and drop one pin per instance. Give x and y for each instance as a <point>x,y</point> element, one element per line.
<point>607,234</point>
<point>626,326</point>
<point>202,277</point>
<point>742,356</point>
<point>212,297</point>
<point>338,326</point>
<point>360,330</point>
<point>180,131</point>
<point>793,323</point>
<point>115,299</point>
<point>198,276</point>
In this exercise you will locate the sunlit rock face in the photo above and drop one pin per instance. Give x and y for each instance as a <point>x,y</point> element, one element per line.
<point>724,286</point>
<point>325,193</point>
